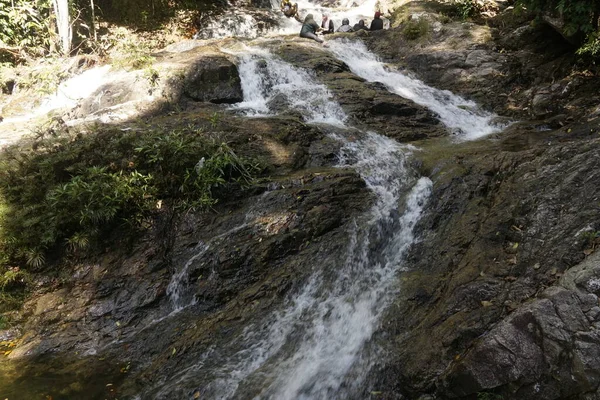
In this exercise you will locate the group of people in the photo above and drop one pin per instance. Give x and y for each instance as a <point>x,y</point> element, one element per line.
<point>310,28</point>
<point>376,25</point>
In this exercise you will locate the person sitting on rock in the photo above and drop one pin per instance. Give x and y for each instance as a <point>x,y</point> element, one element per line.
<point>289,10</point>
<point>345,26</point>
<point>327,25</point>
<point>310,28</point>
<point>360,25</point>
<point>377,23</point>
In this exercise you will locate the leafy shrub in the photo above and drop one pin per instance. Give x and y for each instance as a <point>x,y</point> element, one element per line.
<point>466,8</point>
<point>26,24</point>
<point>591,47</point>
<point>416,28</point>
<point>578,15</point>
<point>13,277</point>
<point>128,51</point>
<point>488,396</point>
<point>44,78</point>
<point>64,191</point>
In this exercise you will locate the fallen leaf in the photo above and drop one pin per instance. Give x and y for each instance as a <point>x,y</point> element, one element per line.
<point>587,252</point>
<point>486,303</point>
<point>174,351</point>
<point>196,395</point>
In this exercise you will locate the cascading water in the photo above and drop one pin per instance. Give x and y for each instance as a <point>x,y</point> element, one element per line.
<point>270,84</point>
<point>316,346</point>
<point>458,114</point>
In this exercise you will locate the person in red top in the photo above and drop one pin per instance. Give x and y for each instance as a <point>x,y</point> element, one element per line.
<point>377,23</point>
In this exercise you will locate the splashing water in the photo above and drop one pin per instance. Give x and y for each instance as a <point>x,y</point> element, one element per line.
<point>270,84</point>
<point>460,115</point>
<point>313,348</point>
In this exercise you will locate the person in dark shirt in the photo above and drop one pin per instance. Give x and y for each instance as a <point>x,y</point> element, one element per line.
<point>345,26</point>
<point>360,25</point>
<point>310,28</point>
<point>377,23</point>
<point>327,25</point>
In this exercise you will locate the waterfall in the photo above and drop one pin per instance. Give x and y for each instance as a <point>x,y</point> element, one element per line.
<point>345,312</point>
<point>272,86</point>
<point>313,348</point>
<point>316,346</point>
<point>462,116</point>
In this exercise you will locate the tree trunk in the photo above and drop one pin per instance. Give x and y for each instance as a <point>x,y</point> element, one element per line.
<point>61,9</point>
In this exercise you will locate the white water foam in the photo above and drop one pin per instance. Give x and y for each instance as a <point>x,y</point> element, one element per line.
<point>269,82</point>
<point>314,348</point>
<point>462,116</point>
<point>177,288</point>
<point>70,92</point>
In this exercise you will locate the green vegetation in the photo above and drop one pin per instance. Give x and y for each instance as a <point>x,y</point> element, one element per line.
<point>128,51</point>
<point>581,20</point>
<point>488,396</point>
<point>25,26</point>
<point>578,15</point>
<point>64,191</point>
<point>416,28</point>
<point>467,8</point>
<point>591,47</point>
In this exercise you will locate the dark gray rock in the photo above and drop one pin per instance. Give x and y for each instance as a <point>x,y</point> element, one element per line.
<point>213,79</point>
<point>545,339</point>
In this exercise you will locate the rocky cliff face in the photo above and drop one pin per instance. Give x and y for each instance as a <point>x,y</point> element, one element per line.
<point>500,293</point>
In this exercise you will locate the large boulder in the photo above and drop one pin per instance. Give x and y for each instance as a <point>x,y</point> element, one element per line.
<point>549,348</point>
<point>213,79</point>
<point>187,72</point>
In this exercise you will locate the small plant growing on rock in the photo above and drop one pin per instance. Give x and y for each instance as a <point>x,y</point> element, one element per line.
<point>416,28</point>
<point>12,277</point>
<point>466,8</point>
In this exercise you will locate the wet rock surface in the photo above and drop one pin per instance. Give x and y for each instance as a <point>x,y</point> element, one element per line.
<point>501,291</point>
<point>369,105</point>
<point>504,227</point>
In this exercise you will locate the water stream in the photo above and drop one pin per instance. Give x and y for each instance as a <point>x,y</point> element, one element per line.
<point>317,345</point>
<point>462,116</point>
<point>271,86</point>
